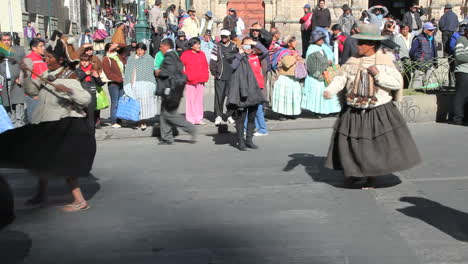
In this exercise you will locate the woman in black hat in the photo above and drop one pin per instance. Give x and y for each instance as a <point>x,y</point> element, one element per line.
<point>59,141</point>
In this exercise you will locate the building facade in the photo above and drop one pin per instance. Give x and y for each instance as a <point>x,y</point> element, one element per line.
<point>285,14</point>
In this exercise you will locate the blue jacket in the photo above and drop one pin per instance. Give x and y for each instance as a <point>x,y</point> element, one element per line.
<point>422,49</point>
<point>453,42</point>
<point>449,22</point>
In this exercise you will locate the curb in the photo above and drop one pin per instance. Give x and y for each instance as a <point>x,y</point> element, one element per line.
<point>108,133</point>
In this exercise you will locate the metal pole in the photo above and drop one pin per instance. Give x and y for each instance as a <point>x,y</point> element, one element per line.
<point>49,26</point>
<point>11,19</point>
<point>142,26</point>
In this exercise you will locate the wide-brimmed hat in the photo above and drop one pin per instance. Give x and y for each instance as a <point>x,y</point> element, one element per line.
<point>316,36</point>
<point>369,32</point>
<point>346,7</point>
<point>192,9</point>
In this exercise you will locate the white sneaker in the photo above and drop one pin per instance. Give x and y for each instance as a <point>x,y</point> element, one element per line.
<point>231,120</point>
<point>116,126</point>
<point>218,121</point>
<point>258,134</point>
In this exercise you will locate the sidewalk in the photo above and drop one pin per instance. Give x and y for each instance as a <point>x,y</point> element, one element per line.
<point>107,132</point>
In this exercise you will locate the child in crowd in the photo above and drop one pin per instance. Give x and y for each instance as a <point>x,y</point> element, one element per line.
<point>89,78</point>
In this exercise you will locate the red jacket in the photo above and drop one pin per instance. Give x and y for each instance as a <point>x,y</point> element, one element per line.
<point>196,66</point>
<point>39,65</point>
<point>256,66</point>
<point>341,40</point>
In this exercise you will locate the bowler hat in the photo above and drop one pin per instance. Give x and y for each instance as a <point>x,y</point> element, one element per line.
<point>181,33</point>
<point>346,7</point>
<point>192,9</point>
<point>316,36</point>
<point>369,32</point>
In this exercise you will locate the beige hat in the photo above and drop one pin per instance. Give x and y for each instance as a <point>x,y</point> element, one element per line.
<point>369,32</point>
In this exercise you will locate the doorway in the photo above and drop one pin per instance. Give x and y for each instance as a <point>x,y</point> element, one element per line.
<point>250,11</point>
<point>397,8</point>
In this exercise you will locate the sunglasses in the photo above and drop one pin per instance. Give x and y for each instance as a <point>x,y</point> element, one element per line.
<point>430,29</point>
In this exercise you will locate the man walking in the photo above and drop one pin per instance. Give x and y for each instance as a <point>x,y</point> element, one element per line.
<point>461,77</point>
<point>222,56</point>
<point>321,20</point>
<point>412,18</point>
<point>171,84</point>
<point>306,28</point>
<point>347,21</point>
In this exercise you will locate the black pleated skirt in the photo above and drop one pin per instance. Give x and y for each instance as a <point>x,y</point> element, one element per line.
<point>66,147</point>
<point>371,142</point>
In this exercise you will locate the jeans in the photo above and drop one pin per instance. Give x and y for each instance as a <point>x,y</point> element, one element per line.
<point>31,105</point>
<point>115,92</point>
<point>260,124</point>
<point>327,38</point>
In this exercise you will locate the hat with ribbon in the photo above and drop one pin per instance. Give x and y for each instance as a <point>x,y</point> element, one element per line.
<point>369,32</point>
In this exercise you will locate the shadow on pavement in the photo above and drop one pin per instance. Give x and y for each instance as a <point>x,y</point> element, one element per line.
<point>448,220</point>
<point>15,246</point>
<point>224,139</point>
<point>23,185</point>
<point>7,213</point>
<point>314,167</point>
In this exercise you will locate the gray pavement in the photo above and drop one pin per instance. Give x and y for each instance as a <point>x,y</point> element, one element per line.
<point>210,203</point>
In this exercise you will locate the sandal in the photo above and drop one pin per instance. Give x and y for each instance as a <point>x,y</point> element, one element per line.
<point>73,208</point>
<point>369,185</point>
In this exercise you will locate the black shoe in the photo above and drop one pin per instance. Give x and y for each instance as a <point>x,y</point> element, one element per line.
<point>282,118</point>
<point>162,143</point>
<point>241,146</point>
<point>249,143</point>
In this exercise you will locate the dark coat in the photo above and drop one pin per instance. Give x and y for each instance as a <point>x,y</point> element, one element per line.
<point>230,23</point>
<point>422,49</point>
<point>15,92</point>
<point>244,90</point>
<point>171,68</point>
<point>408,19</point>
<point>349,50</point>
<point>449,22</point>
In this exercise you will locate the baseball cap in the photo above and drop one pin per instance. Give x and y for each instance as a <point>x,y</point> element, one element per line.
<point>225,32</point>
<point>428,26</point>
<point>307,6</point>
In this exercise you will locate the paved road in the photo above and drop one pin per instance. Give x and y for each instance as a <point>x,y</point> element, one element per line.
<point>209,203</point>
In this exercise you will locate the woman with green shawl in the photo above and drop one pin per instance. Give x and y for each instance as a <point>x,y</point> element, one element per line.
<point>140,83</point>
